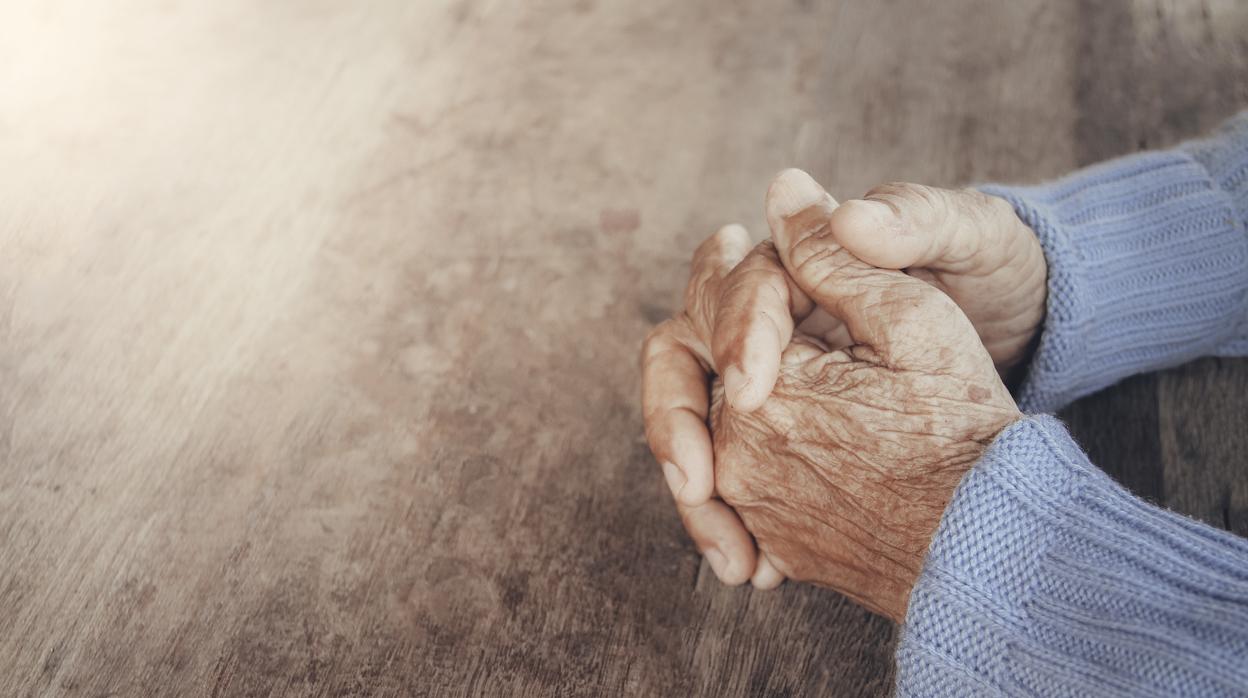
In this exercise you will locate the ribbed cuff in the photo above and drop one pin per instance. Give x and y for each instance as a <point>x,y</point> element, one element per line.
<point>1148,268</point>
<point>1225,156</point>
<point>1047,578</point>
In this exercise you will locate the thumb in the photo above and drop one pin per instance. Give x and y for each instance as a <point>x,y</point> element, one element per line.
<point>882,308</point>
<point>902,225</point>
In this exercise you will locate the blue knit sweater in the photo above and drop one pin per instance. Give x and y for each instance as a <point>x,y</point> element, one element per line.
<point>1045,576</point>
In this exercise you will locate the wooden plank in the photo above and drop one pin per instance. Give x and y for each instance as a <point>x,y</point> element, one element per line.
<point>1204,441</point>
<point>321,324</point>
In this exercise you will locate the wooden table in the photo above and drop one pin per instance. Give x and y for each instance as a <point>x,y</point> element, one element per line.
<point>321,320</point>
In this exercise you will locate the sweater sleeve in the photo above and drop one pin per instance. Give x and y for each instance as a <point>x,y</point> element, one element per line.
<point>1045,577</point>
<point>1148,265</point>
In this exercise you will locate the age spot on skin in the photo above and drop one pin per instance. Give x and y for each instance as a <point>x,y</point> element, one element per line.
<point>978,393</point>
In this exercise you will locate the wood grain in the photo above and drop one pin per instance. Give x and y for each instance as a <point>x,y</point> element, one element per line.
<point>321,320</point>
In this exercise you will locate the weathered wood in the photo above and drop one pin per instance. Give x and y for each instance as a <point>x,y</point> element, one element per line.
<point>320,323</point>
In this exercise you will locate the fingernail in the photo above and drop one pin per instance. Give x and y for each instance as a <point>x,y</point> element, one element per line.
<point>793,191</point>
<point>675,478</point>
<point>718,561</point>
<point>735,382</point>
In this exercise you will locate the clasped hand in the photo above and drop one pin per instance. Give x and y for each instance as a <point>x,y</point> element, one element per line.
<point>814,407</point>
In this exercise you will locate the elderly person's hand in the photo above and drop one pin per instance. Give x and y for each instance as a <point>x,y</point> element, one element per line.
<point>844,471</point>
<point>677,367</point>
<point>968,244</point>
<point>740,317</point>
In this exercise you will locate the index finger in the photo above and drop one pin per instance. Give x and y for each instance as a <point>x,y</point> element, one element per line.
<point>754,321</point>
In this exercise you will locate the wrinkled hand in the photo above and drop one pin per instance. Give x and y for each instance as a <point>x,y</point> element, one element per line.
<point>729,286</point>
<point>968,244</point>
<point>843,473</point>
<point>740,317</point>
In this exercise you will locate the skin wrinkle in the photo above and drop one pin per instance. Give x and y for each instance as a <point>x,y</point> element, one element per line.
<point>696,348</point>
<point>917,406</point>
<point>885,194</point>
<point>821,257</point>
<point>911,485</point>
<point>663,352</point>
<point>830,484</point>
<point>769,276</point>
<point>799,304</point>
<point>894,550</point>
<point>900,556</point>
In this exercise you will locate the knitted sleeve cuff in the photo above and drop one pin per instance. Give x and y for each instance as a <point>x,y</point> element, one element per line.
<point>1225,156</point>
<point>1148,267</point>
<point>1047,578</point>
